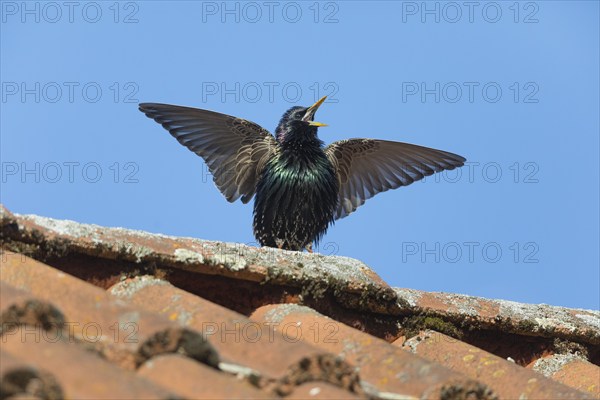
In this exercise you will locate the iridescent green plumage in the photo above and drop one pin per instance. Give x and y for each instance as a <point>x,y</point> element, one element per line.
<point>296,195</point>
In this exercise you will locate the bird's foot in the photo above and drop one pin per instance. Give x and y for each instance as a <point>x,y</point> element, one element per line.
<point>308,247</point>
<point>279,243</point>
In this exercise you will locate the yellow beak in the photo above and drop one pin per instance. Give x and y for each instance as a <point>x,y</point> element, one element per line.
<point>310,113</point>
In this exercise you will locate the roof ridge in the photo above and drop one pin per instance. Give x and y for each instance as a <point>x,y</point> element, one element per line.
<point>193,281</point>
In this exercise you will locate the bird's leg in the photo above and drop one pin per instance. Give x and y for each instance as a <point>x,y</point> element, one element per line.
<point>279,243</point>
<point>308,247</point>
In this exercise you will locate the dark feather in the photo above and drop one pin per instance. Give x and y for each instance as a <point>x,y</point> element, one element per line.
<point>234,149</point>
<point>365,167</point>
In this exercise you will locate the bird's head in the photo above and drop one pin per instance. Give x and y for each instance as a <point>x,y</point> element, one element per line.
<point>298,123</point>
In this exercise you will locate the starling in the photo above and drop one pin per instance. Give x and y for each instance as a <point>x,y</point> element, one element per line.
<point>301,186</point>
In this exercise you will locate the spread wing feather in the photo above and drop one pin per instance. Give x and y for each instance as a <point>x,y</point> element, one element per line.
<point>366,167</point>
<point>234,149</point>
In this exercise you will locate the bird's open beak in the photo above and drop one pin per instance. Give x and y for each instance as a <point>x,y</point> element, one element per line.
<point>310,113</point>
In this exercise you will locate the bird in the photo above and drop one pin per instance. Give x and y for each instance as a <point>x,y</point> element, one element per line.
<point>301,187</point>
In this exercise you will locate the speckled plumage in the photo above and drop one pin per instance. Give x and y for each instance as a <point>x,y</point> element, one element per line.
<point>296,196</point>
<point>301,187</point>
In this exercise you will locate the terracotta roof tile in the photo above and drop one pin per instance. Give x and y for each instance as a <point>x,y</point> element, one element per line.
<point>191,320</point>
<point>320,391</point>
<point>18,307</point>
<point>338,286</point>
<point>20,378</point>
<point>125,335</point>
<point>385,368</point>
<point>509,316</point>
<point>193,380</point>
<point>571,370</point>
<point>509,380</point>
<point>275,362</point>
<point>80,373</point>
<point>43,237</point>
<point>22,396</point>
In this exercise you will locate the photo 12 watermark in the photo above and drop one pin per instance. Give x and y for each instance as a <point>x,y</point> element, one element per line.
<point>471,252</point>
<point>453,12</point>
<point>269,92</point>
<point>69,92</point>
<point>71,331</point>
<point>253,12</point>
<point>70,12</point>
<point>27,172</point>
<point>518,172</point>
<point>252,332</point>
<point>7,255</point>
<point>470,92</point>
<point>128,332</point>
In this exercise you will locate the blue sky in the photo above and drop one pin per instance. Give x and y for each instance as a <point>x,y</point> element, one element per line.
<point>513,87</point>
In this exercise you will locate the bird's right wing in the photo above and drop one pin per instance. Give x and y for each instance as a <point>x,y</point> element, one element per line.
<point>365,167</point>
<point>234,149</point>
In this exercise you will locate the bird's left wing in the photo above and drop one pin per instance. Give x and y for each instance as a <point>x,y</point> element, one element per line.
<point>365,167</point>
<point>234,149</point>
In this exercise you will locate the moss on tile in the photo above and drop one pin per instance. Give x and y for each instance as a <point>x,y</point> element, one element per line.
<point>416,323</point>
<point>562,346</point>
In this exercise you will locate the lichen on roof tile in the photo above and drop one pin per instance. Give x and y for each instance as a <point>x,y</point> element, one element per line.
<point>543,317</point>
<point>593,318</point>
<point>411,296</point>
<point>187,256</point>
<point>340,283</point>
<point>509,316</point>
<point>352,282</point>
<point>548,366</point>
<point>129,287</point>
<point>65,226</point>
<point>277,314</point>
